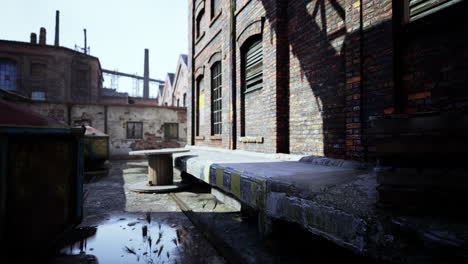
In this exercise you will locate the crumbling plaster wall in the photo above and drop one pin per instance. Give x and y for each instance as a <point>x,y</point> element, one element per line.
<point>153,119</point>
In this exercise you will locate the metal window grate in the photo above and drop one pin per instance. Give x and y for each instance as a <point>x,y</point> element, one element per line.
<point>8,76</point>
<point>216,99</point>
<point>134,130</point>
<point>253,67</point>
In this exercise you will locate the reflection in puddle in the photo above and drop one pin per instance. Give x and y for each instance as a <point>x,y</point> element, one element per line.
<point>131,240</point>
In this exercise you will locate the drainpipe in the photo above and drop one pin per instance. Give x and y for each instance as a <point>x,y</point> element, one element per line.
<point>192,82</point>
<point>69,109</point>
<point>361,86</point>
<point>232,84</point>
<point>105,119</point>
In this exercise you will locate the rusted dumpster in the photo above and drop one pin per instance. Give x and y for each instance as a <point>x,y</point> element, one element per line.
<point>96,152</point>
<point>41,175</point>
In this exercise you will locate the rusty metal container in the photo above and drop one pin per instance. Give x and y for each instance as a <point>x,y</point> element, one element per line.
<point>41,176</point>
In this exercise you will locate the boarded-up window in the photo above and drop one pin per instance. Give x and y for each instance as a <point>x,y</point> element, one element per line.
<point>253,66</point>
<point>171,131</point>
<point>216,99</point>
<point>415,9</point>
<point>38,70</point>
<point>8,76</point>
<point>134,130</point>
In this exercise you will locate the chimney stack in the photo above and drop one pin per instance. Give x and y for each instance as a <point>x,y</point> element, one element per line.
<point>42,36</point>
<point>146,76</point>
<point>33,38</point>
<point>57,27</point>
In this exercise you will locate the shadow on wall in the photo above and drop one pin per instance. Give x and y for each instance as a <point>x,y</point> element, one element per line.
<point>325,112</point>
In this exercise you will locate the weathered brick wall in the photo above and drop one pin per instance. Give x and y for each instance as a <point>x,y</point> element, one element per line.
<point>330,69</point>
<point>210,47</point>
<point>435,63</point>
<point>257,113</point>
<point>317,77</point>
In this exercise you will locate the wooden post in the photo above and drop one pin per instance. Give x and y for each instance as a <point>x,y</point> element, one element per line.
<point>160,170</point>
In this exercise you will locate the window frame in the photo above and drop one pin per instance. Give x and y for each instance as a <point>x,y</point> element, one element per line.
<point>216,99</point>
<point>256,79</point>
<point>9,66</point>
<point>408,17</point>
<point>198,22</point>
<point>167,135</point>
<point>134,136</point>
<point>215,6</point>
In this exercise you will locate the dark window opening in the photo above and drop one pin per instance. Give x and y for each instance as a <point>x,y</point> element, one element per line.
<point>215,5</point>
<point>216,99</point>
<point>8,76</point>
<point>171,131</point>
<point>198,24</point>
<point>184,99</point>
<point>81,80</point>
<point>38,70</point>
<point>253,67</point>
<point>134,130</point>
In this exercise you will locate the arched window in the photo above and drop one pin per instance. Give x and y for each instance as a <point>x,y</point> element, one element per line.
<point>198,24</point>
<point>8,76</point>
<point>216,99</point>
<point>184,99</point>
<point>215,5</point>
<point>253,66</point>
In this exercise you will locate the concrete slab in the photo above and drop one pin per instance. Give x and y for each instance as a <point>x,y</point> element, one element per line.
<point>334,199</point>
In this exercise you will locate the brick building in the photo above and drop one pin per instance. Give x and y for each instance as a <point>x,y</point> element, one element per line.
<point>379,82</point>
<point>311,77</point>
<point>44,72</point>
<point>67,85</point>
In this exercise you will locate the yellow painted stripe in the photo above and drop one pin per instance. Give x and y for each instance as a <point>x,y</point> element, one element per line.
<point>253,190</point>
<point>235,184</point>
<point>219,177</point>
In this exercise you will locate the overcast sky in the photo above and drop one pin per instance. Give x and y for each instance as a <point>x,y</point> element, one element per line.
<point>118,30</point>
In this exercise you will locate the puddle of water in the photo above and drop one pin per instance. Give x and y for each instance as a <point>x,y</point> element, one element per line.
<point>132,240</point>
